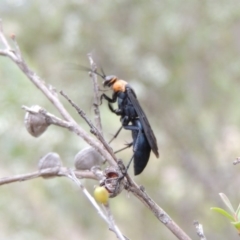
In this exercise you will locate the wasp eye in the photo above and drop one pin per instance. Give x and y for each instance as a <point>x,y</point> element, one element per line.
<point>105,83</point>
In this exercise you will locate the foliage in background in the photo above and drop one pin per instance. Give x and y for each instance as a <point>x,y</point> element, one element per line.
<point>234,216</point>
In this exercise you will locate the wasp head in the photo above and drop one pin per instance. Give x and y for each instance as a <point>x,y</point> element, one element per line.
<point>109,80</point>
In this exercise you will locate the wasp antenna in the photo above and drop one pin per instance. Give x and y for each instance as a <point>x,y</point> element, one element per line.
<point>102,76</point>
<point>103,73</point>
<point>89,70</point>
<point>77,67</point>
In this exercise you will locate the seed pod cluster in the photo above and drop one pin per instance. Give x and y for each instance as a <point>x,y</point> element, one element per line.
<point>113,181</point>
<point>50,160</point>
<point>87,158</point>
<point>34,122</point>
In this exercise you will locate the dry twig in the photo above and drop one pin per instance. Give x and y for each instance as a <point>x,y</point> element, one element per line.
<point>59,172</point>
<point>199,229</point>
<point>96,94</point>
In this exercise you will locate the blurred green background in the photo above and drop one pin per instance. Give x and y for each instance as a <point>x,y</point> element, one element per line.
<point>183,60</point>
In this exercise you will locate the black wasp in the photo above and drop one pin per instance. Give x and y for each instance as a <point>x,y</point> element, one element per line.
<point>131,111</point>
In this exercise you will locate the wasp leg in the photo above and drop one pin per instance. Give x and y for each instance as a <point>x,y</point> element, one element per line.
<point>115,135</point>
<point>118,112</point>
<point>124,121</point>
<point>128,145</point>
<point>129,164</point>
<point>111,100</point>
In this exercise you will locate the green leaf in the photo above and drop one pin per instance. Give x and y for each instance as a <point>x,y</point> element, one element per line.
<point>236,224</point>
<point>238,213</point>
<point>227,202</point>
<point>223,212</point>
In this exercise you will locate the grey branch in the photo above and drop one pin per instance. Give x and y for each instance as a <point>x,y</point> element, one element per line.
<point>53,172</point>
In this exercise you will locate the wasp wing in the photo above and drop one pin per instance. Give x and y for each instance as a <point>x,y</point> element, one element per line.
<point>143,119</point>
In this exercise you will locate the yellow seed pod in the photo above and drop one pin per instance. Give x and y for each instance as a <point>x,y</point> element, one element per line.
<point>101,195</point>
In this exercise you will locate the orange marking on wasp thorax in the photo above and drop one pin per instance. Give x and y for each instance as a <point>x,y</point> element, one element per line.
<point>119,86</point>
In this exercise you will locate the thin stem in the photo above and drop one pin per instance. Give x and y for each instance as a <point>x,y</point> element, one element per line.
<point>46,172</point>
<point>96,94</point>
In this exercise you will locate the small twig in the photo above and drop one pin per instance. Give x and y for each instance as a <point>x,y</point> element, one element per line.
<point>199,229</point>
<point>112,226</point>
<point>81,113</point>
<point>49,171</point>
<point>96,94</point>
<point>50,118</point>
<point>109,221</point>
<point>93,129</point>
<point>237,161</point>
